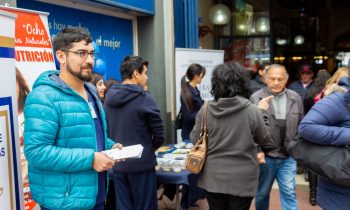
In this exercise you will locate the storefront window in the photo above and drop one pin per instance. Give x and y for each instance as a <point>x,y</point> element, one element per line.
<point>250,52</point>
<point>246,38</point>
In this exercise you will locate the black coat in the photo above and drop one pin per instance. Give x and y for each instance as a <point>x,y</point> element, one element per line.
<point>189,117</point>
<point>133,117</point>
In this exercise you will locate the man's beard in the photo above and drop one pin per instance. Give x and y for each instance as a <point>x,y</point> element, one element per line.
<point>83,77</point>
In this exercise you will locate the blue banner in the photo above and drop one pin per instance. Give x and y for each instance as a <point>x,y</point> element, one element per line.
<point>144,6</point>
<point>6,52</point>
<point>114,36</point>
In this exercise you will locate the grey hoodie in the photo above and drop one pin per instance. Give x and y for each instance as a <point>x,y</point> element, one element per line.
<point>235,126</point>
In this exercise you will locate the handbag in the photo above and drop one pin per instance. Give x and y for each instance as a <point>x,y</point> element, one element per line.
<point>179,120</point>
<point>330,162</point>
<point>197,155</point>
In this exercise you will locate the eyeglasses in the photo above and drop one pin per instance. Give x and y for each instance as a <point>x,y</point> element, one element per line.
<point>84,54</point>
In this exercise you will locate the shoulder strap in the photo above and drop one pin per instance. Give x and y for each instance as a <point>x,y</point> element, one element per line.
<point>204,118</point>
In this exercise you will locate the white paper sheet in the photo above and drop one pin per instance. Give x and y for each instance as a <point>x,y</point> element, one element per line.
<point>134,151</point>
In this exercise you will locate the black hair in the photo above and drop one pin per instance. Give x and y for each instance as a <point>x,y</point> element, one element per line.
<point>193,70</point>
<point>264,64</point>
<point>229,80</point>
<point>95,78</point>
<point>131,63</point>
<point>67,36</point>
<point>316,88</point>
<point>319,82</point>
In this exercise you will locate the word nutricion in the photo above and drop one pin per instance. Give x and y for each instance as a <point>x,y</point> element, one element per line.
<point>34,56</point>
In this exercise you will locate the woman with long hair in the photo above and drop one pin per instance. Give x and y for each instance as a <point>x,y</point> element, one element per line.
<point>332,83</point>
<point>97,81</point>
<point>235,127</point>
<point>318,85</point>
<point>190,98</point>
<point>22,91</point>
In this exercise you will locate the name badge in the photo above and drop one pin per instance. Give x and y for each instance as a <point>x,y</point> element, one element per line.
<point>92,110</point>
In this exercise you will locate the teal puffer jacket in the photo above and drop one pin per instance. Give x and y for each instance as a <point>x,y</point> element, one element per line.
<point>59,144</point>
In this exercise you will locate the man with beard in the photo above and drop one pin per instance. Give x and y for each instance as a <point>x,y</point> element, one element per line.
<point>65,130</point>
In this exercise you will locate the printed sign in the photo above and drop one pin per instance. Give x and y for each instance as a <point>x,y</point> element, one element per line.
<point>207,58</point>
<point>114,36</point>
<point>34,55</point>
<point>183,59</point>
<point>7,181</point>
<point>10,181</point>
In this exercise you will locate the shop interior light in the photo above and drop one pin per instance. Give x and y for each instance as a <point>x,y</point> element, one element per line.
<point>281,41</point>
<point>299,40</point>
<point>219,14</point>
<point>297,58</point>
<point>242,27</point>
<point>263,24</point>
<point>280,58</point>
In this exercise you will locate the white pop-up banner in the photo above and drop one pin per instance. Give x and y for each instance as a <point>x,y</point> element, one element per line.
<point>33,55</point>
<point>11,196</point>
<point>184,57</point>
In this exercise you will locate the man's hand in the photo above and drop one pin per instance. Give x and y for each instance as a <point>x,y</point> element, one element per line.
<point>264,103</point>
<point>102,162</point>
<point>261,158</point>
<point>118,146</point>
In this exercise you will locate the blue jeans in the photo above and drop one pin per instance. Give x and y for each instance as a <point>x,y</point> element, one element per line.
<point>284,170</point>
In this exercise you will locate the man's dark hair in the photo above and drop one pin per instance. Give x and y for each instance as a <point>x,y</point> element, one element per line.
<point>67,36</point>
<point>264,64</point>
<point>229,80</point>
<point>131,63</point>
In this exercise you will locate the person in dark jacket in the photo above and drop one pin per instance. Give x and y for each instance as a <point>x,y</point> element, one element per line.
<point>235,126</point>
<point>327,123</point>
<point>258,81</point>
<point>316,89</point>
<point>133,117</point>
<point>304,82</point>
<point>284,113</point>
<point>191,100</point>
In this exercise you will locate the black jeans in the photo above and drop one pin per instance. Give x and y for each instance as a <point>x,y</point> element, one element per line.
<point>220,201</point>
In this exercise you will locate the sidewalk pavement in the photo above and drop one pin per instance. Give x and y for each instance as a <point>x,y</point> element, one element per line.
<point>302,195</point>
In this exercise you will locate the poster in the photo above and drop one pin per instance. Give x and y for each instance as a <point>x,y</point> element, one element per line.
<point>33,56</point>
<point>207,58</point>
<point>8,172</point>
<point>113,35</point>
<point>11,196</point>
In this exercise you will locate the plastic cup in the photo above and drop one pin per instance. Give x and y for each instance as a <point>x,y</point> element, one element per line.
<point>177,167</point>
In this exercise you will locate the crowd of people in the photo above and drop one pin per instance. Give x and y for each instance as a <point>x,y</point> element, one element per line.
<point>72,115</point>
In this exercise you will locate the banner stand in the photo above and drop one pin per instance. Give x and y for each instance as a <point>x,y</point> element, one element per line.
<point>11,196</point>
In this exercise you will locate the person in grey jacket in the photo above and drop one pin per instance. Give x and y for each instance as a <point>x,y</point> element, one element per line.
<point>284,113</point>
<point>235,126</point>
